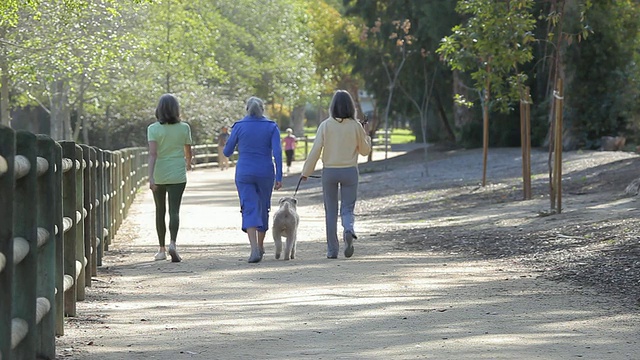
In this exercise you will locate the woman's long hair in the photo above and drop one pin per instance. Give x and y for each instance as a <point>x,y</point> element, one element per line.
<point>168,109</point>
<point>342,106</point>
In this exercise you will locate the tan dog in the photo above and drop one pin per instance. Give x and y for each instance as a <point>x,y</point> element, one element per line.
<point>285,223</point>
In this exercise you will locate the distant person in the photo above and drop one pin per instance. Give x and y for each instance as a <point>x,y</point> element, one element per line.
<point>223,136</point>
<point>289,142</point>
<point>169,159</point>
<point>258,142</point>
<point>339,139</point>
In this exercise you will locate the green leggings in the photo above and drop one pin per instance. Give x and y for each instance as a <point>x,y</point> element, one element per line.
<point>175,198</point>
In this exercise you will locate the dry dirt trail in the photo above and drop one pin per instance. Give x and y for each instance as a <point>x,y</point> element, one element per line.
<point>384,303</point>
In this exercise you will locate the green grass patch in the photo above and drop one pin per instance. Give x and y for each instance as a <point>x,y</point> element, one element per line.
<point>401,136</point>
<point>398,136</point>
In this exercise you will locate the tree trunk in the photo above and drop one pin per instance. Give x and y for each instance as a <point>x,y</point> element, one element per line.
<point>297,117</point>
<point>81,122</point>
<point>373,125</point>
<point>66,117</point>
<point>60,115</point>
<point>5,111</point>
<point>107,131</point>
<point>485,126</point>
<point>462,115</point>
<point>443,117</point>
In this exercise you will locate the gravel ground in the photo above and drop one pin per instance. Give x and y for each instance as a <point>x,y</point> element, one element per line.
<point>592,244</point>
<point>444,269</point>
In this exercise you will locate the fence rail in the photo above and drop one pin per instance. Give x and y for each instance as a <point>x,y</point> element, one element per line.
<point>60,206</point>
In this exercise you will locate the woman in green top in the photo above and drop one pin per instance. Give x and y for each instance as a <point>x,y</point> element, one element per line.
<point>169,159</point>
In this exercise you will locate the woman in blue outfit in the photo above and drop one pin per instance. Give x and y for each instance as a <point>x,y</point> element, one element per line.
<point>258,142</point>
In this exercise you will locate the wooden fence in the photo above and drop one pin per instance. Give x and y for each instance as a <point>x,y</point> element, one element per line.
<point>206,155</point>
<point>60,205</point>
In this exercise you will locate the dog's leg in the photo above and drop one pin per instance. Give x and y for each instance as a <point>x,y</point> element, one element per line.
<point>293,244</point>
<point>278,241</point>
<point>287,248</point>
<point>287,251</point>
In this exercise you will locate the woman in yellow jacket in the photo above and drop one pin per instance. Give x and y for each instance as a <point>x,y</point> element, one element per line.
<point>339,140</point>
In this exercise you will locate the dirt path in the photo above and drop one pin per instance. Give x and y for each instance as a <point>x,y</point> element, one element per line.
<point>387,302</point>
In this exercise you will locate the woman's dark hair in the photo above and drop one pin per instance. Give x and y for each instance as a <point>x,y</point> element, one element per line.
<point>168,110</point>
<point>342,106</point>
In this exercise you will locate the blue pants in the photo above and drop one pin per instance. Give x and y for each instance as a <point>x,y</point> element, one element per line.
<point>255,201</point>
<point>345,181</point>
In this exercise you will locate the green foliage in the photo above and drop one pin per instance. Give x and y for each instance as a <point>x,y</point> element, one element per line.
<point>117,57</point>
<point>602,97</point>
<point>491,44</point>
<point>329,32</point>
<point>471,135</point>
<point>9,9</point>
<point>114,58</point>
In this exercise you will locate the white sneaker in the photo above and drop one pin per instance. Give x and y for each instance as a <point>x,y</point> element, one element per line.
<point>160,255</point>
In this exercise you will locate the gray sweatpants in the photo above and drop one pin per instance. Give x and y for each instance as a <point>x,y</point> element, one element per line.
<point>345,182</point>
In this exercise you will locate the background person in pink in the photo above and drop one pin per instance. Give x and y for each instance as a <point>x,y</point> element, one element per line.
<point>289,143</point>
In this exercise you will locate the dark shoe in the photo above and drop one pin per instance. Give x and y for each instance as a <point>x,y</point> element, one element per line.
<point>255,258</point>
<point>174,253</point>
<point>256,255</point>
<point>332,256</point>
<point>348,239</point>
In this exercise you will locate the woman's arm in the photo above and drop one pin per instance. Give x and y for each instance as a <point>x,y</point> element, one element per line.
<point>153,156</point>
<point>314,155</point>
<point>188,155</point>
<point>232,141</point>
<point>364,140</point>
<point>276,149</point>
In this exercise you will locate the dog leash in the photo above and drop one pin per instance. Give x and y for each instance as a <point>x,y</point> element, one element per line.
<point>300,180</point>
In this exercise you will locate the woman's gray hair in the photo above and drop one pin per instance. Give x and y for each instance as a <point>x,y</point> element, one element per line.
<point>255,107</point>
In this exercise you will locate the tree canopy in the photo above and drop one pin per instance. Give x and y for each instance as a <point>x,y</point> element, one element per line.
<point>94,69</point>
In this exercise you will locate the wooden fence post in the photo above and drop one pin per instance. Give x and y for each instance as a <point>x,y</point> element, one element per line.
<point>48,220</point>
<point>93,254</point>
<point>69,213</point>
<point>87,197</point>
<point>113,195</point>
<point>7,155</point>
<point>119,186</point>
<point>108,212</point>
<point>25,242</point>
<point>127,180</point>
<point>80,216</point>
<point>100,205</point>
<point>59,241</point>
